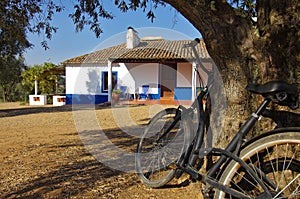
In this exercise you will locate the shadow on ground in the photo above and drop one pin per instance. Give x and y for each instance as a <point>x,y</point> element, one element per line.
<point>53,109</point>
<point>87,177</point>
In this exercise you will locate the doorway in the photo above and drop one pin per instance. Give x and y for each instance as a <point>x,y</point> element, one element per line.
<point>167,79</point>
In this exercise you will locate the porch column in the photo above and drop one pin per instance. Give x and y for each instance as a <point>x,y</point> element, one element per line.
<point>109,79</point>
<point>194,75</point>
<point>35,86</point>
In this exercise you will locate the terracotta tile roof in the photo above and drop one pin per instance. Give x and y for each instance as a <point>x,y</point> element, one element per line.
<point>146,51</point>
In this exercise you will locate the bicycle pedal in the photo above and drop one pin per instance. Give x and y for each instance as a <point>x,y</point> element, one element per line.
<point>178,173</point>
<point>171,166</point>
<point>192,172</point>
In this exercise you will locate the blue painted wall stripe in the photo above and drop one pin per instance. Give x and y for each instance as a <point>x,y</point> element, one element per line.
<point>85,99</point>
<point>183,93</point>
<point>180,93</point>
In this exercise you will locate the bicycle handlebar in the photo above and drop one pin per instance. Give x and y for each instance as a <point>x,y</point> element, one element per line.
<point>193,45</point>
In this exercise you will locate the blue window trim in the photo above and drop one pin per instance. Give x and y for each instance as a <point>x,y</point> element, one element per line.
<point>102,80</point>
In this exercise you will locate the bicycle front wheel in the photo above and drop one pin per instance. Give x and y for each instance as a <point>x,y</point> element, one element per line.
<point>159,150</point>
<point>275,159</point>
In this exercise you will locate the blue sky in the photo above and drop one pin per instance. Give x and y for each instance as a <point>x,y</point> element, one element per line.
<point>66,43</point>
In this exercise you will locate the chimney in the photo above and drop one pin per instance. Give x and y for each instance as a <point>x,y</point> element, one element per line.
<point>132,38</point>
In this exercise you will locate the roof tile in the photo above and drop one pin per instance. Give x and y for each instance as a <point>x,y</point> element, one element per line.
<point>145,51</point>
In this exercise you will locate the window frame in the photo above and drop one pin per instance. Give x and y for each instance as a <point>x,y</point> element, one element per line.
<point>103,83</point>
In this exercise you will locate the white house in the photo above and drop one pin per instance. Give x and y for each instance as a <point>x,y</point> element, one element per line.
<point>150,66</point>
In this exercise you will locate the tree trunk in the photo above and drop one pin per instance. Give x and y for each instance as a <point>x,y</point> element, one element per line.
<point>237,110</point>
<point>3,95</point>
<point>3,92</point>
<point>226,37</point>
<point>246,52</point>
<point>278,44</point>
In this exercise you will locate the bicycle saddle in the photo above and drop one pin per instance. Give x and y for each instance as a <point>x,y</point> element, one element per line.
<point>282,93</point>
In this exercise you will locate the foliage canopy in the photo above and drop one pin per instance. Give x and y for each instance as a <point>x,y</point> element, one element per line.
<point>11,69</point>
<point>46,81</point>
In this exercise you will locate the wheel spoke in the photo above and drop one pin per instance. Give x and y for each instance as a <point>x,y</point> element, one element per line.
<point>287,185</point>
<point>275,160</point>
<point>160,147</point>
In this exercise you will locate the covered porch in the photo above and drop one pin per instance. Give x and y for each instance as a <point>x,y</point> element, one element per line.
<point>157,81</point>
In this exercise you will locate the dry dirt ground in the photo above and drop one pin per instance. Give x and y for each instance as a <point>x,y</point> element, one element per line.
<point>43,156</point>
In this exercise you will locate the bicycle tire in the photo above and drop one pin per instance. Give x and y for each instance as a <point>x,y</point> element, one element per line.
<point>276,155</point>
<point>153,159</point>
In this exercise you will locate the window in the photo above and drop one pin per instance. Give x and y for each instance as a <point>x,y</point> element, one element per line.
<point>105,81</point>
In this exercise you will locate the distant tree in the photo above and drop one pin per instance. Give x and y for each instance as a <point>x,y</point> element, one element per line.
<point>11,68</point>
<point>46,80</point>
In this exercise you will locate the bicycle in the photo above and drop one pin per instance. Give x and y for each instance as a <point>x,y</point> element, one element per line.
<point>266,166</point>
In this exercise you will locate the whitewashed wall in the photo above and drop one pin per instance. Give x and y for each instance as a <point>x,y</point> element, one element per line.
<point>83,79</point>
<point>126,79</point>
<point>143,74</point>
<point>88,79</point>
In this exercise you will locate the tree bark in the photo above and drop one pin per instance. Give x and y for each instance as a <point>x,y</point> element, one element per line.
<point>278,44</point>
<point>3,95</point>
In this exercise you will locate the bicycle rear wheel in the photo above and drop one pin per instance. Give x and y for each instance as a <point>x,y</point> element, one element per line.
<point>156,155</point>
<point>275,159</point>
